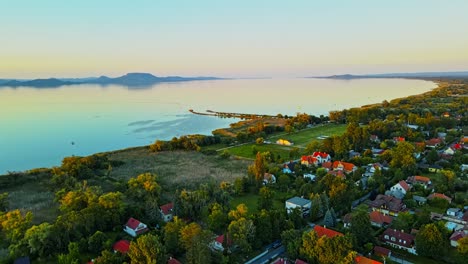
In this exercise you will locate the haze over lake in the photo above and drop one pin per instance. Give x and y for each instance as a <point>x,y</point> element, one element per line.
<point>41,126</point>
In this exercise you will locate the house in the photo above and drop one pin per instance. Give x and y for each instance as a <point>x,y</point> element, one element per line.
<point>323,231</point>
<point>419,199</point>
<point>309,176</point>
<point>172,260</point>
<point>421,180</point>
<point>379,220</point>
<point>364,260</point>
<point>449,151</point>
<point>268,178</point>
<point>400,189</point>
<point>290,165</point>
<point>457,236</point>
<point>298,202</point>
<point>440,196</point>
<point>321,156</point>
<point>167,212</point>
<point>338,173</point>
<point>374,138</point>
<point>309,160</point>
<point>280,261</point>
<point>388,205</point>
<point>414,127</point>
<point>134,227</point>
<point>219,243</point>
<point>287,170</point>
<point>284,142</point>
<point>383,252</point>
<point>327,165</point>
<point>298,261</point>
<point>344,166</point>
<point>434,168</point>
<point>398,139</point>
<point>121,246</point>
<point>377,152</point>
<point>399,239</point>
<point>454,212</point>
<point>347,220</point>
<point>433,142</point>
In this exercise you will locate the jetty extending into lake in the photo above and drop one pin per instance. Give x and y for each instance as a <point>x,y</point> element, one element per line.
<point>232,115</point>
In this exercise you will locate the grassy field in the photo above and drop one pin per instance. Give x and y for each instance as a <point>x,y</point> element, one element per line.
<point>303,137</point>
<point>300,140</point>
<point>251,201</point>
<point>177,169</point>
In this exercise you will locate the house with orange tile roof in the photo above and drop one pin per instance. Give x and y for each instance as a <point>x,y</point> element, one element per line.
<point>421,180</point>
<point>440,196</point>
<point>323,231</point>
<point>134,227</point>
<point>344,166</point>
<point>364,260</point>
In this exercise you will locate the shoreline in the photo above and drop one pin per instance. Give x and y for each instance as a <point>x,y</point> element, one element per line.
<point>437,84</point>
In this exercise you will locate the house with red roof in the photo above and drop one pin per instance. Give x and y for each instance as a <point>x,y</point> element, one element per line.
<point>172,260</point>
<point>327,165</point>
<point>379,220</point>
<point>309,160</point>
<point>220,241</point>
<point>433,142</point>
<point>166,211</point>
<point>457,235</point>
<point>440,196</point>
<point>344,166</point>
<point>321,156</point>
<point>398,139</point>
<point>421,180</point>
<point>134,227</point>
<point>323,231</point>
<point>398,239</point>
<point>121,246</point>
<point>364,260</point>
<point>383,252</point>
<point>399,190</point>
<point>298,261</point>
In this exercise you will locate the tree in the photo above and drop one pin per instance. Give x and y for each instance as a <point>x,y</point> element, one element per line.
<point>431,240</point>
<point>404,221</point>
<point>199,251</point>
<point>258,169</point>
<point>328,219</point>
<point>187,233</point>
<point>3,202</point>
<point>96,242</point>
<point>463,246</point>
<point>147,249</point>
<point>265,199</point>
<point>292,241</point>
<point>242,232</point>
<point>402,156</point>
<point>39,240</point>
<point>283,182</point>
<point>143,186</point>
<point>263,228</point>
<point>217,218</point>
<point>259,141</point>
<point>14,224</point>
<point>73,256</point>
<point>171,235</point>
<point>108,257</point>
<point>241,211</point>
<point>307,249</point>
<point>361,226</point>
<point>432,156</point>
<point>316,209</point>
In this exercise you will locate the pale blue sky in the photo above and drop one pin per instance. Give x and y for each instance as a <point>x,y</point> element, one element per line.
<point>230,38</point>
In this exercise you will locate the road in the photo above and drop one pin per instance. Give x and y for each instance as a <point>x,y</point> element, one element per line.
<point>270,256</point>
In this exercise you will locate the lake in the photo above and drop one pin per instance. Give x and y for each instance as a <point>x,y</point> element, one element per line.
<point>40,126</point>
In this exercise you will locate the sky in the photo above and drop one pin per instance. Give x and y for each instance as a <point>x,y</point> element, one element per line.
<point>242,38</point>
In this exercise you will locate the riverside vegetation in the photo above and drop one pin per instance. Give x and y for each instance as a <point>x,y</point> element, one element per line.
<point>75,212</point>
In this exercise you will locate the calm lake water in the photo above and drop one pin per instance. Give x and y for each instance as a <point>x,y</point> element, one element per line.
<point>38,127</point>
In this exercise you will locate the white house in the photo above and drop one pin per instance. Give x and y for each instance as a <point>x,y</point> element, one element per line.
<point>135,227</point>
<point>399,190</point>
<point>217,243</point>
<point>167,212</point>
<point>453,211</point>
<point>310,176</point>
<point>298,202</point>
<point>457,236</point>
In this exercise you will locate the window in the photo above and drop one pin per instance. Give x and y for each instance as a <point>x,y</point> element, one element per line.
<point>404,242</point>
<point>386,236</point>
<point>393,239</point>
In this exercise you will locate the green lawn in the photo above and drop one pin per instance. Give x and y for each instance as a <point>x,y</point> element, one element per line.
<point>246,150</point>
<point>251,201</point>
<point>300,140</point>
<point>305,136</point>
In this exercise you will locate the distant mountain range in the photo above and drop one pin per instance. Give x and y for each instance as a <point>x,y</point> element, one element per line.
<point>129,79</point>
<point>415,75</point>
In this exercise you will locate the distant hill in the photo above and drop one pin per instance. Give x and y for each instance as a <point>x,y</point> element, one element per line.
<point>129,79</point>
<point>415,75</point>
